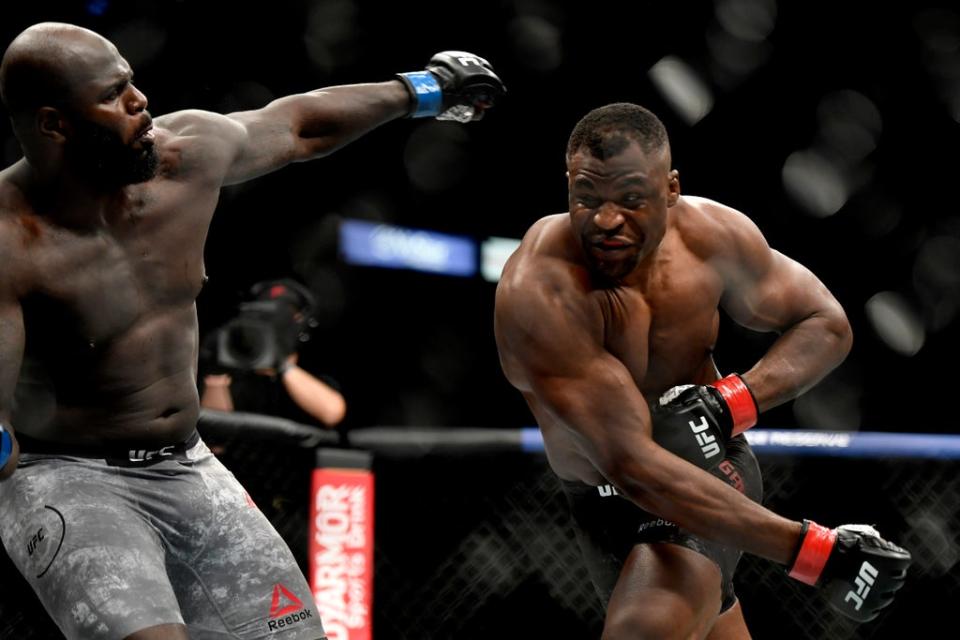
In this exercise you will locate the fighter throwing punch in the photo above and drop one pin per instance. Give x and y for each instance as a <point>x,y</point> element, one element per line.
<point>117,514</point>
<point>606,319</point>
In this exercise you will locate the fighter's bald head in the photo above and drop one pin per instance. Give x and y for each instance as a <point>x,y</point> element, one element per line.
<point>42,65</point>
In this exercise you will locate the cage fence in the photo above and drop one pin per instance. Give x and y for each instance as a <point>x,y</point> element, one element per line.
<point>479,544</point>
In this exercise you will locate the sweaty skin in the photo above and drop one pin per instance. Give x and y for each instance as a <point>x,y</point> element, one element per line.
<point>98,285</point>
<point>601,310</point>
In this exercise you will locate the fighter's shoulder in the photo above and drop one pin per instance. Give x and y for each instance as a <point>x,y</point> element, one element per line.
<point>543,254</point>
<point>197,122</point>
<point>195,140</point>
<point>16,228</point>
<point>542,276</point>
<point>14,207</point>
<point>710,228</point>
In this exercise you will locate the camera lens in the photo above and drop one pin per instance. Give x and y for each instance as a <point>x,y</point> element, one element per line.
<point>246,342</point>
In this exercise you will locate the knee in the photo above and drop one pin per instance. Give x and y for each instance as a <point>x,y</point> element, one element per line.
<point>643,623</point>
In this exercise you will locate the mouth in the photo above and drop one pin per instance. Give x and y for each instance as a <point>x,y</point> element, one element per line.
<point>146,133</point>
<point>613,245</point>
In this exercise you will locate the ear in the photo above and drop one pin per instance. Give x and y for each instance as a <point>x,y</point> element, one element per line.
<point>673,187</point>
<point>52,125</point>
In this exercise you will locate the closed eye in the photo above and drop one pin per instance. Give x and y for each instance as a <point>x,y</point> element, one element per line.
<point>114,92</point>
<point>117,90</point>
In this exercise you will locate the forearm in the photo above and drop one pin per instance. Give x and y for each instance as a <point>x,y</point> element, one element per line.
<point>615,434</point>
<point>679,492</point>
<point>328,119</point>
<point>320,400</point>
<point>799,359</point>
<point>216,393</point>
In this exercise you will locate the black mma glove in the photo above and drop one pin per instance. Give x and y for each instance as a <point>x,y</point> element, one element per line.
<point>860,571</point>
<point>456,86</point>
<point>695,421</point>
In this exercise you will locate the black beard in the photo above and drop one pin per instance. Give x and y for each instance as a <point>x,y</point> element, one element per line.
<point>99,155</point>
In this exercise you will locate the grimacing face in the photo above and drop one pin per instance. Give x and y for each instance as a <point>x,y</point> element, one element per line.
<point>618,206</point>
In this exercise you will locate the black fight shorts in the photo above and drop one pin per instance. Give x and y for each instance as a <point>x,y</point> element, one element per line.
<point>608,525</point>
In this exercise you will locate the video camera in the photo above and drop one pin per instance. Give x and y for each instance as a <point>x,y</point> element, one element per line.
<point>266,329</point>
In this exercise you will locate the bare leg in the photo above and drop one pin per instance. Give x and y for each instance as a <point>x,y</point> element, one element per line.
<point>730,625</point>
<point>664,592</point>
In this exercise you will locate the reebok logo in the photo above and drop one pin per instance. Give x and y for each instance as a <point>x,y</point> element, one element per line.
<point>288,604</point>
<point>659,522</point>
<point>863,581</point>
<point>286,609</point>
<point>286,621</point>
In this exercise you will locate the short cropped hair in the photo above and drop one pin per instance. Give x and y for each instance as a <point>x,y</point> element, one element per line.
<point>607,131</point>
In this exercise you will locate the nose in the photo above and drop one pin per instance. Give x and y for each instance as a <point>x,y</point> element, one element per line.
<point>137,101</point>
<point>608,218</point>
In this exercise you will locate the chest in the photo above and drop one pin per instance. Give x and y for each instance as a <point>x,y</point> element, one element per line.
<point>92,286</point>
<point>665,332</point>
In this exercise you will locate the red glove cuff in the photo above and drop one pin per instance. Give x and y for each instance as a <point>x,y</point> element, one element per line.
<point>742,404</point>
<point>816,545</point>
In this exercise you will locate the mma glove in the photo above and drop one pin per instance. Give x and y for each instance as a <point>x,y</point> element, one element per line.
<point>859,571</point>
<point>6,446</point>
<point>694,422</point>
<point>456,85</point>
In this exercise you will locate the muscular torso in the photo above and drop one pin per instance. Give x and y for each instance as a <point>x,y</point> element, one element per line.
<point>662,329</point>
<point>108,311</point>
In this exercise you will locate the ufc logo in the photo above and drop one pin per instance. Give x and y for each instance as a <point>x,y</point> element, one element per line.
<point>36,540</point>
<point>863,582</point>
<point>708,443</point>
<point>607,490</point>
<point>142,455</point>
<point>466,60</point>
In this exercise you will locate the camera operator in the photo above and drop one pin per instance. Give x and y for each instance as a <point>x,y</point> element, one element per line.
<point>252,361</point>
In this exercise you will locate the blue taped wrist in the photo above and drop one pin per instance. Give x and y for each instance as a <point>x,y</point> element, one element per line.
<point>6,446</point>
<point>427,91</point>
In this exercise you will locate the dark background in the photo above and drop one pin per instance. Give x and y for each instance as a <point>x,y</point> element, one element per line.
<point>874,90</point>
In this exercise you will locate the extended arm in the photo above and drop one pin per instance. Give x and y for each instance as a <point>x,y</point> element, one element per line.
<point>296,128</point>
<point>310,125</point>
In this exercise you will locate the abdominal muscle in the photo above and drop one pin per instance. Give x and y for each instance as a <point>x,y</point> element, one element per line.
<point>163,413</point>
<point>137,387</point>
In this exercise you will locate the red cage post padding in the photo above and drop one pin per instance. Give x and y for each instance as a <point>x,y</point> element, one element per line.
<point>341,543</point>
